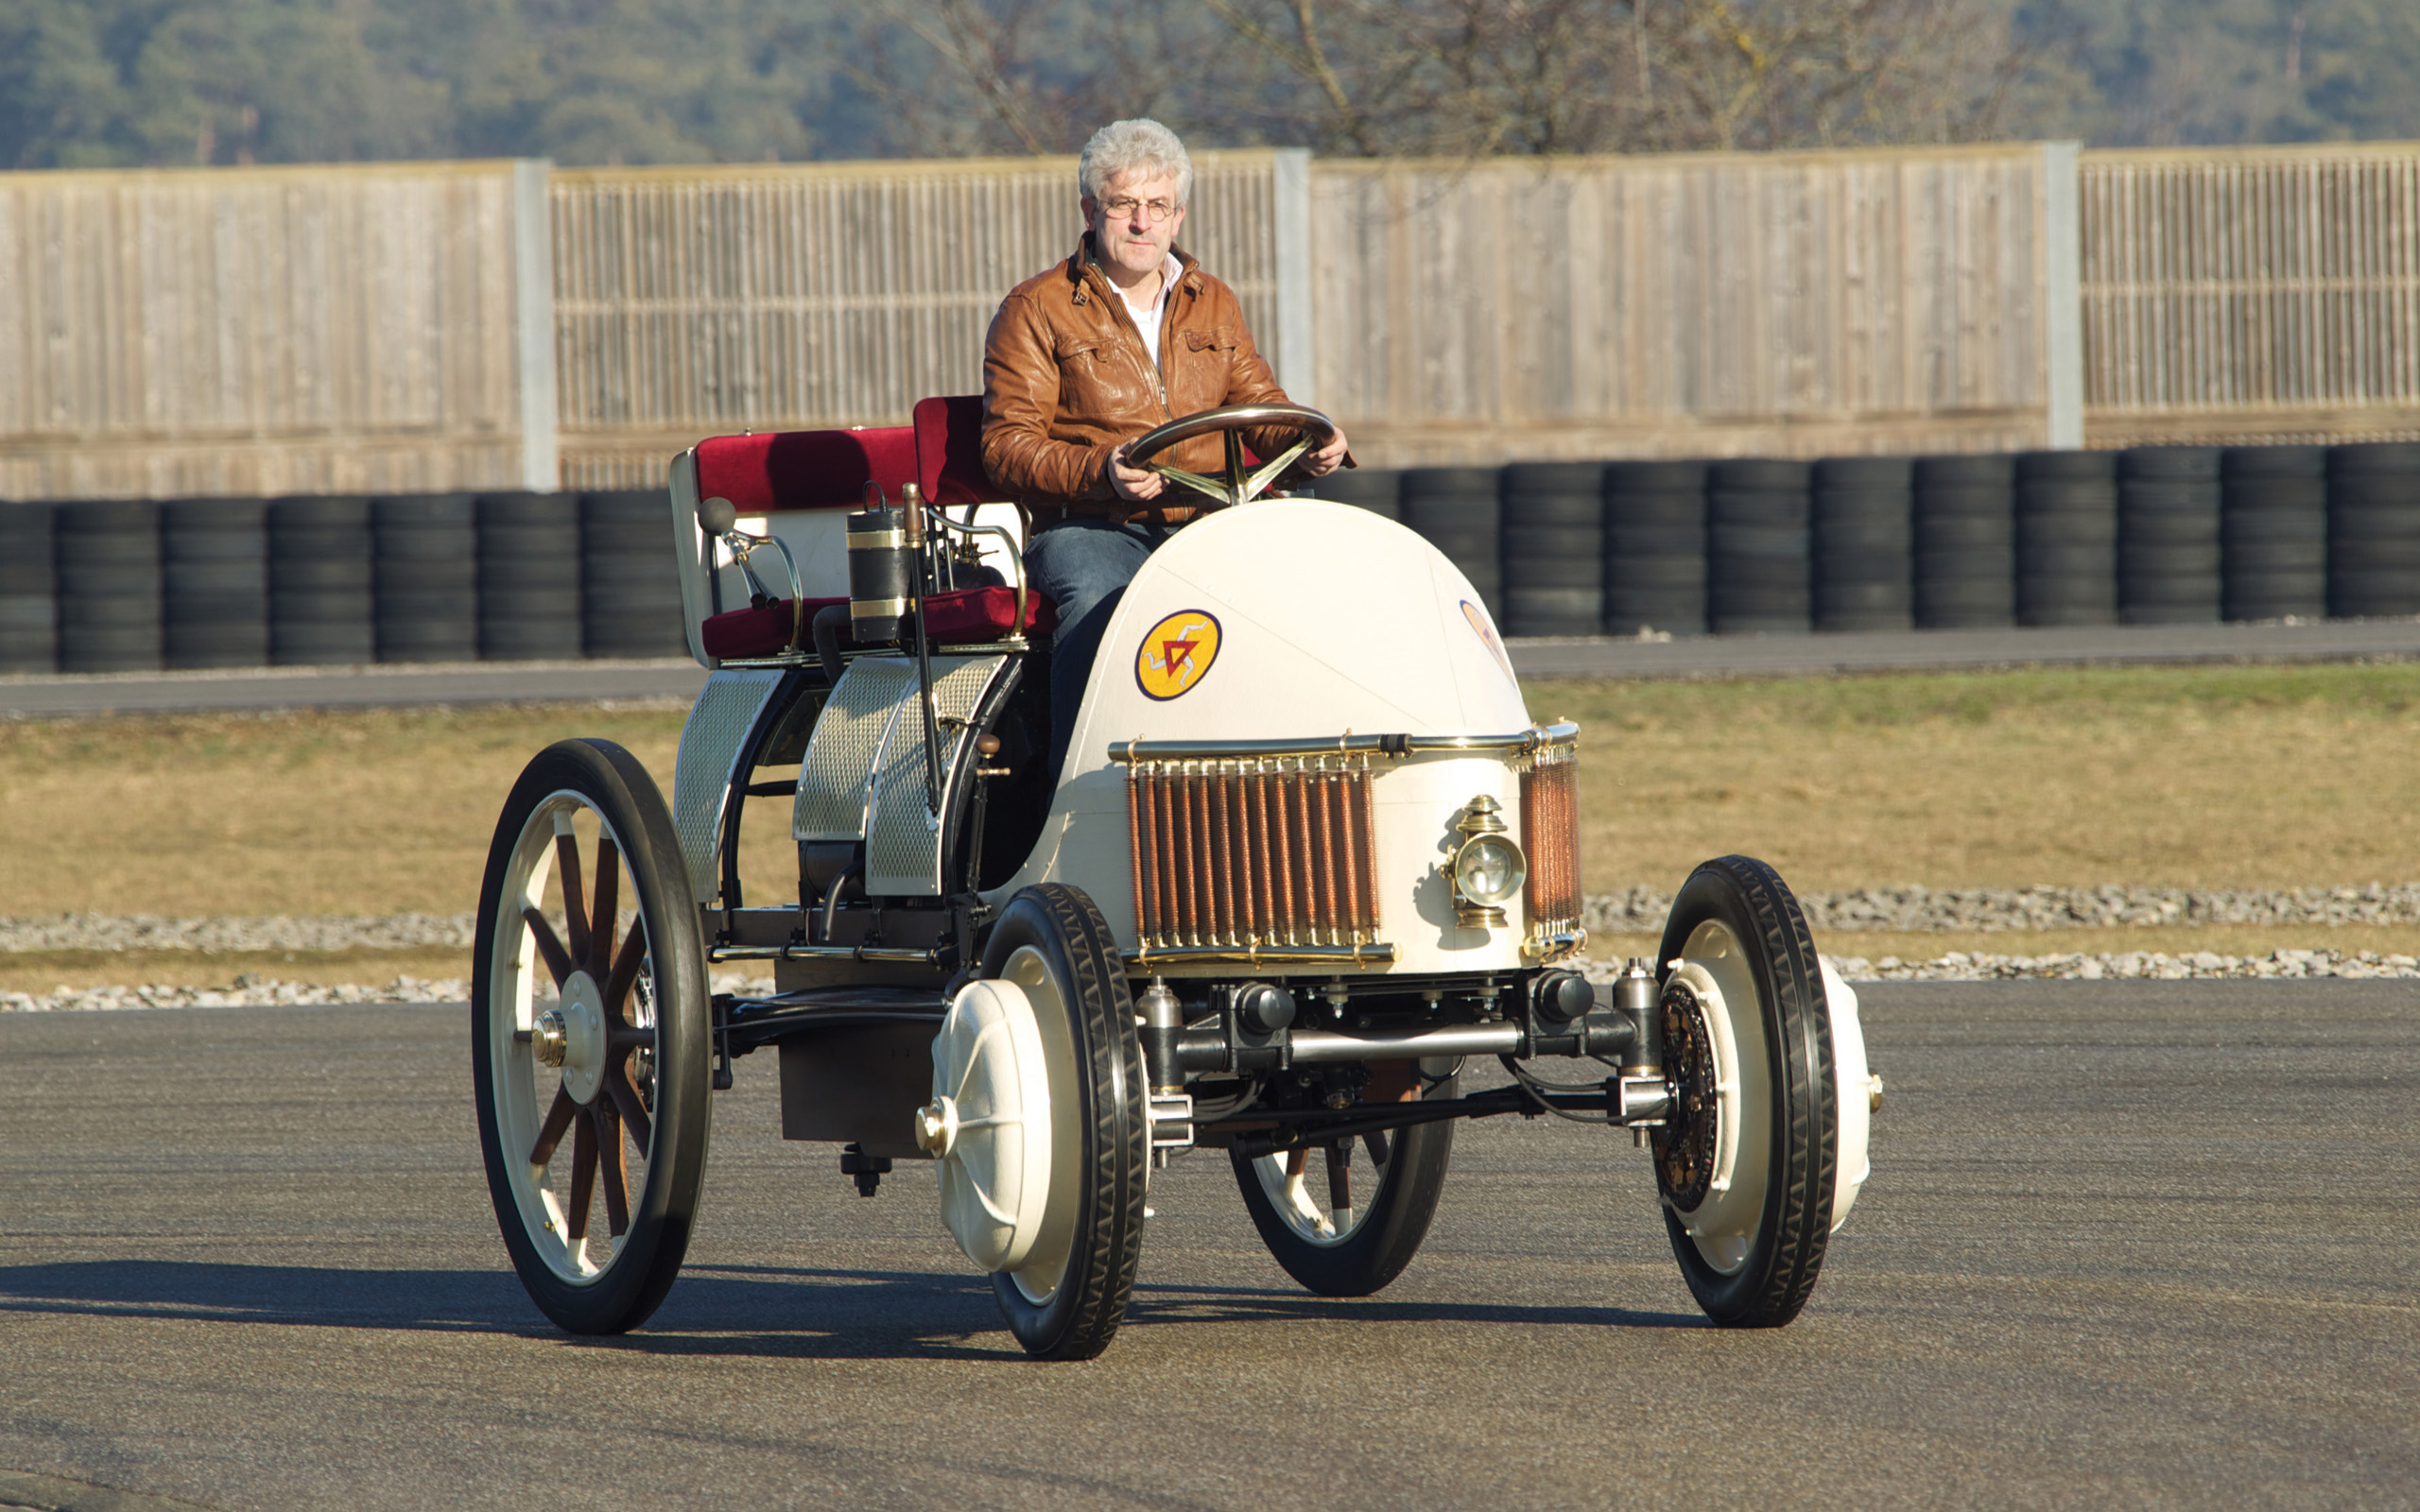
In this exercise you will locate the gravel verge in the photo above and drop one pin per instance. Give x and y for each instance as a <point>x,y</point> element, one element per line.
<point>248,991</point>
<point>1636,911</point>
<point>1914,911</point>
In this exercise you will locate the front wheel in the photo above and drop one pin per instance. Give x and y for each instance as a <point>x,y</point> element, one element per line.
<point>1749,1160</point>
<point>1065,1290</point>
<point>1343,1233</point>
<point>590,1037</point>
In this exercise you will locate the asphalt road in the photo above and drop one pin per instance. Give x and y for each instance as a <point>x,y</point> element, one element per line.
<point>2142,1244</point>
<point>1712,656</point>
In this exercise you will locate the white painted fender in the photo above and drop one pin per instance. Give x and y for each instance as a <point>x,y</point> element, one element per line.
<point>1850,1071</point>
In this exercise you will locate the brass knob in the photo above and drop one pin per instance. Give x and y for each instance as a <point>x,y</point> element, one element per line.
<point>937,1127</point>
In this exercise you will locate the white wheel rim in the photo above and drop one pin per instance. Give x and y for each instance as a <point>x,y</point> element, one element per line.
<point>1724,1224</point>
<point>1294,1196</point>
<point>523,1087</point>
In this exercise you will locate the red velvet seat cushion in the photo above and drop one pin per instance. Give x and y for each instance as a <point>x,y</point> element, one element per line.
<point>967,617</point>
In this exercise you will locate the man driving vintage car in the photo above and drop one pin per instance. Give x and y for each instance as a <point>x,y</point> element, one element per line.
<point>1127,333</point>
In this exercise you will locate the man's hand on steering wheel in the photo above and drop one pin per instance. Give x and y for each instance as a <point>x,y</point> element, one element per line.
<point>1133,484</point>
<point>1326,459</point>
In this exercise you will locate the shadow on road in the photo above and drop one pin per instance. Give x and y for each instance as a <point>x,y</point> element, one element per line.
<point>715,1310</point>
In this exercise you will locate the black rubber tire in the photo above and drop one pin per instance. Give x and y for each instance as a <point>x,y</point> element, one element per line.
<point>2375,460</point>
<point>1575,571</point>
<point>2274,462</point>
<point>1395,1221</point>
<point>1552,542</point>
<point>1376,489</point>
<point>1965,532</point>
<point>2169,464</point>
<point>1632,541</point>
<point>1081,1313</point>
<point>1785,1254</point>
<point>1973,470</point>
<point>2065,467</point>
<point>609,781</point>
<point>1654,511</point>
<point>1629,478</point>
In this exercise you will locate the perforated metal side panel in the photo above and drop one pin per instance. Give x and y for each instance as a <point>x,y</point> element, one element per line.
<point>840,756</point>
<point>726,710</point>
<point>903,844</point>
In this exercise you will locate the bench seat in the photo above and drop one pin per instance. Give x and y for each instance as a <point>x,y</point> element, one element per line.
<point>965,617</point>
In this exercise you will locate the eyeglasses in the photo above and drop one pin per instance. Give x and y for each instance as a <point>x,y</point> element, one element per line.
<point>1124,206</point>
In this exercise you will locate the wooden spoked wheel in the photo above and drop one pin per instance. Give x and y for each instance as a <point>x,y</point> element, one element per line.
<point>590,1038</point>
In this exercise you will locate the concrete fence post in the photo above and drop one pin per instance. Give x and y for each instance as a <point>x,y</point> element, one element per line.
<point>534,269</point>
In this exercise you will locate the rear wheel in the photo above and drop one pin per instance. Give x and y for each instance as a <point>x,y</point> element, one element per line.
<point>1345,1221</point>
<point>1747,1163</point>
<point>1069,1291</point>
<point>590,1037</point>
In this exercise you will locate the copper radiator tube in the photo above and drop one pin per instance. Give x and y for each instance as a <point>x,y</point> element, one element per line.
<point>1550,835</point>
<point>1275,851</point>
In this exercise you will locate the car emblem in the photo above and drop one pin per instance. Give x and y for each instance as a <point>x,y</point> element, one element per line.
<point>1176,654</point>
<point>1478,617</point>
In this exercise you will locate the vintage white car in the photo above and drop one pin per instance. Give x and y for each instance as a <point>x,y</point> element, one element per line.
<point>1307,857</point>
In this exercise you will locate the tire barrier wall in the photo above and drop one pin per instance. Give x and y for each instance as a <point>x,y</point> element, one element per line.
<point>133,585</point>
<point>1758,545</point>
<point>2162,535</point>
<point>2167,535</point>
<point>29,588</point>
<point>1864,542</point>
<point>2150,536</point>
<point>213,569</point>
<point>1656,562</point>
<point>2066,538</point>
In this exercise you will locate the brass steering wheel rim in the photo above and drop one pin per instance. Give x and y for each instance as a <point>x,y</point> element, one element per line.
<point>1242,483</point>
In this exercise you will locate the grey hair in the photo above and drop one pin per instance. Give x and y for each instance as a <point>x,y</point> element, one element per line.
<point>1140,145</point>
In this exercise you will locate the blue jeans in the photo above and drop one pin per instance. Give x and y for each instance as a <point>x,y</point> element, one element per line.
<point>1083,566</point>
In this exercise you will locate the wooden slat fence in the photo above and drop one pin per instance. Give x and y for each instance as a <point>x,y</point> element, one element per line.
<point>691,302</point>
<point>258,331</point>
<point>2268,294</point>
<point>1791,304</point>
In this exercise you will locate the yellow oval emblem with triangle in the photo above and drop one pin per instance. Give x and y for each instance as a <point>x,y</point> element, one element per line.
<point>1176,653</point>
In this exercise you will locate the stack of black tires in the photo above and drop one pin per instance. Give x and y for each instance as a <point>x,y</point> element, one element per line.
<point>214,560</point>
<point>1864,543</point>
<point>1655,564</point>
<point>2273,530</point>
<point>529,572</point>
<point>29,588</point>
<point>630,590</point>
<point>1375,489</point>
<point>1758,536</point>
<point>2066,538</point>
<point>428,579</point>
<point>108,586</point>
<point>320,582</point>
<point>2374,530</point>
<point>1966,540</point>
<point>1456,508</point>
<point>2167,535</point>
<point>1553,548</point>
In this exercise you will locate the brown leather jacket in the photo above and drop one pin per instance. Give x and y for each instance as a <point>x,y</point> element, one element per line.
<point>1066,379</point>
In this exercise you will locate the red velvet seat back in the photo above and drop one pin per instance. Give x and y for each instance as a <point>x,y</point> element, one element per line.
<point>806,470</point>
<point>949,451</point>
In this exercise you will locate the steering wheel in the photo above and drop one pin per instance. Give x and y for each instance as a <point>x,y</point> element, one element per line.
<point>1242,483</point>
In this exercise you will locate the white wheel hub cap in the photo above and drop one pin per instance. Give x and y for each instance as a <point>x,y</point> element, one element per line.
<point>990,1125</point>
<point>582,1016</point>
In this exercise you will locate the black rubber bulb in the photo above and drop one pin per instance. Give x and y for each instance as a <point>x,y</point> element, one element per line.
<point>717,516</point>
